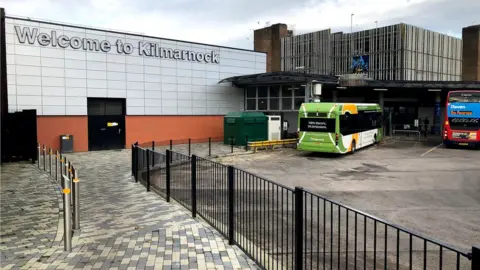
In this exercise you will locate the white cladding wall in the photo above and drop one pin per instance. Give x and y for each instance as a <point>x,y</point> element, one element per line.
<point>57,81</point>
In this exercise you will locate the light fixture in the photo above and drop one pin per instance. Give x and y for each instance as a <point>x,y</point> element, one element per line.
<point>380,89</point>
<point>341,87</point>
<point>434,90</point>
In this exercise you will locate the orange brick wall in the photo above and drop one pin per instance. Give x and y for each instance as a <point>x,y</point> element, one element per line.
<point>49,129</point>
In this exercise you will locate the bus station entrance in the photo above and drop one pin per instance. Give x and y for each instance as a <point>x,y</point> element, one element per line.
<point>413,109</point>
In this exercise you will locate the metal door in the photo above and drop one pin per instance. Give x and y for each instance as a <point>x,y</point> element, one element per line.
<point>106,124</point>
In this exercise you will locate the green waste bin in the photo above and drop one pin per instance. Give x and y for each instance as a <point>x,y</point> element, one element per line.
<point>239,125</point>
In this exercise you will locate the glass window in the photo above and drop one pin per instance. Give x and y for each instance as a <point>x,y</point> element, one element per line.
<point>286,103</point>
<point>262,91</point>
<point>251,104</point>
<point>262,104</point>
<point>298,102</point>
<point>251,92</point>
<point>287,91</point>
<point>274,104</point>
<point>275,91</point>
<point>299,90</point>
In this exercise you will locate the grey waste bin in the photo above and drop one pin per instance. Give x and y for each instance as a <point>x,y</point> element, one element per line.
<point>66,143</point>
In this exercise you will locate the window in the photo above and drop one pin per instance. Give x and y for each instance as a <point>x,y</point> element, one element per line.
<point>274,104</point>
<point>287,95</point>
<point>251,92</point>
<point>299,90</point>
<point>363,121</point>
<point>263,91</point>
<point>251,104</point>
<point>275,91</point>
<point>286,91</point>
<point>262,104</point>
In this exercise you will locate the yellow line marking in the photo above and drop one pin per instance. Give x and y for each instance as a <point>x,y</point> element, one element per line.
<point>433,148</point>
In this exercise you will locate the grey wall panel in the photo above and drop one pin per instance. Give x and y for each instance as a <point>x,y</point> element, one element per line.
<point>45,73</point>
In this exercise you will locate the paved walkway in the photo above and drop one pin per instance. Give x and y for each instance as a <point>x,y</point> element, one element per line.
<point>122,226</point>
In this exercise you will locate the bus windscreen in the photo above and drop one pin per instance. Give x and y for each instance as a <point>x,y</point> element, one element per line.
<point>464,97</point>
<point>317,124</point>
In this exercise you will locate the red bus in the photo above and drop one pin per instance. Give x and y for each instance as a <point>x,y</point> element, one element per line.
<point>462,118</point>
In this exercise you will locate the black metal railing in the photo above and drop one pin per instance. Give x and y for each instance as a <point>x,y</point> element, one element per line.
<point>264,220</point>
<point>212,193</point>
<point>284,228</point>
<point>339,237</point>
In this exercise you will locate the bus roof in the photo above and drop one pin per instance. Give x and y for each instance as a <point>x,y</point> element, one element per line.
<point>334,106</point>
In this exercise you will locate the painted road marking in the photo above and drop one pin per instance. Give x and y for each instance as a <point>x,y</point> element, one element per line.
<point>431,150</point>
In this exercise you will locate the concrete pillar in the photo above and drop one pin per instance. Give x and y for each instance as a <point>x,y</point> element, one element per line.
<point>380,100</point>
<point>334,96</point>
<point>437,112</point>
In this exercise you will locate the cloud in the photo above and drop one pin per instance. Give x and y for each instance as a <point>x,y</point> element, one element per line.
<point>231,22</point>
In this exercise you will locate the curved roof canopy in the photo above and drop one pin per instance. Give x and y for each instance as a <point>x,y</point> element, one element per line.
<point>279,77</point>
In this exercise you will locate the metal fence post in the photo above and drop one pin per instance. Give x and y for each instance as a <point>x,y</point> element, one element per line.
<point>67,215</point>
<point>171,145</point>
<point>246,142</point>
<point>231,144</point>
<point>133,159</point>
<point>231,206</point>
<point>189,146</point>
<point>76,201</point>
<point>209,146</point>
<point>148,169</point>
<point>194,185</point>
<point>153,154</point>
<point>38,154</point>
<point>167,172</point>
<point>44,158</point>
<point>298,260</point>
<point>476,257</point>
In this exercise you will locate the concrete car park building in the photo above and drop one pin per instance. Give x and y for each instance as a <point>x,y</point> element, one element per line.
<point>394,52</point>
<point>407,69</point>
<point>109,89</point>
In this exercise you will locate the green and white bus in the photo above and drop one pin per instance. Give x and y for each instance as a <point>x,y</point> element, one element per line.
<point>338,127</point>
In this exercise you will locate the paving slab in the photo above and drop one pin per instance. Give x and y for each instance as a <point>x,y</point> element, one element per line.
<point>122,225</point>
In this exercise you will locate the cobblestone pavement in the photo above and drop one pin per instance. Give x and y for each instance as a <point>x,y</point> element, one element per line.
<point>122,225</point>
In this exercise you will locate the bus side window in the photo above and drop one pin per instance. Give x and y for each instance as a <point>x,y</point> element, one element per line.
<point>344,125</point>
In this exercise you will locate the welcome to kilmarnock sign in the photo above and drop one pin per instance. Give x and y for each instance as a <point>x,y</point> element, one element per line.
<point>145,48</point>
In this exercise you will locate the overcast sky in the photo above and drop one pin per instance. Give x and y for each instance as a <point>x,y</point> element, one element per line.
<point>230,23</point>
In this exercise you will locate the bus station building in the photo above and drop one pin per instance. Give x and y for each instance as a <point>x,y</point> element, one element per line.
<point>109,89</point>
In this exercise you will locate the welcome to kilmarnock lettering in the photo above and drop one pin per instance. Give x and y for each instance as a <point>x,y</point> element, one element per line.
<point>145,48</point>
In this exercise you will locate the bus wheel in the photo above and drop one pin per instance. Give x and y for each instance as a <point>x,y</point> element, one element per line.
<point>354,147</point>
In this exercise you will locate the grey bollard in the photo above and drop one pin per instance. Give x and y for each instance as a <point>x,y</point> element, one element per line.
<point>50,152</point>
<point>67,215</point>
<point>57,156</point>
<point>76,201</point>
<point>44,158</point>
<point>69,175</point>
